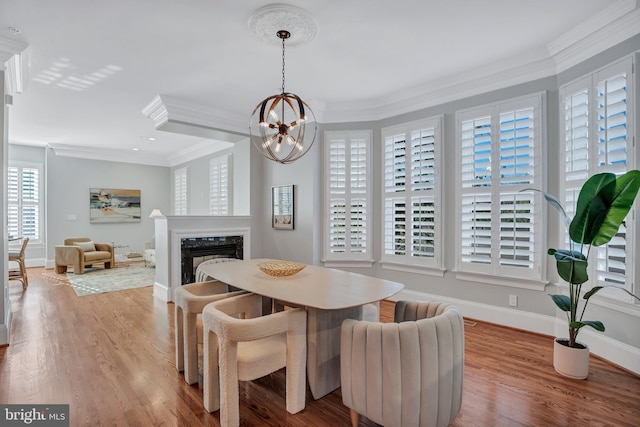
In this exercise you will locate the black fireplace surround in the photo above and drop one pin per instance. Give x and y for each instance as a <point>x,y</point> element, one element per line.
<point>215,247</point>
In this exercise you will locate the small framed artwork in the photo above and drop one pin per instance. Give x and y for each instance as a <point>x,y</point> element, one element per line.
<point>282,207</point>
<point>114,205</point>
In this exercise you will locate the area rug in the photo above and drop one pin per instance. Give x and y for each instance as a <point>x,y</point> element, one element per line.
<point>100,280</point>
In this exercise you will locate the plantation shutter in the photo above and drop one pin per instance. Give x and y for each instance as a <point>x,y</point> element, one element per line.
<point>180,191</point>
<point>348,170</point>
<point>423,214</point>
<point>219,185</point>
<point>358,235</point>
<point>13,202</point>
<point>612,148</point>
<point>337,197</point>
<point>517,210</point>
<point>411,218</point>
<point>500,155</point>
<point>395,213</point>
<point>598,116</point>
<point>23,202</point>
<point>476,190</point>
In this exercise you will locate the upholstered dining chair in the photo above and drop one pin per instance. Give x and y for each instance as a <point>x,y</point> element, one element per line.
<point>406,373</point>
<point>19,273</point>
<point>201,276</point>
<point>189,300</point>
<point>240,344</point>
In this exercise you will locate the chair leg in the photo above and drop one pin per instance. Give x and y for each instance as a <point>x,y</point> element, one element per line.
<point>355,418</point>
<point>190,353</point>
<point>229,399</point>
<point>211,386</point>
<point>23,270</point>
<point>179,339</point>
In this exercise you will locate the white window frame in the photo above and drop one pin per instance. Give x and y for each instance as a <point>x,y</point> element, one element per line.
<point>568,192</point>
<point>494,273</point>
<point>22,202</point>
<point>220,185</point>
<point>411,261</point>
<point>356,195</point>
<point>181,191</point>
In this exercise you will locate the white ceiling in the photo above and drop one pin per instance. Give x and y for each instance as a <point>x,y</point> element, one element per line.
<point>92,66</point>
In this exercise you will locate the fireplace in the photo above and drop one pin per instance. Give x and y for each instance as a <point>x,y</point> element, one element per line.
<point>195,250</point>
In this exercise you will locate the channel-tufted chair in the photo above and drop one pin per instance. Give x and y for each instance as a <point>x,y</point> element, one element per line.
<point>406,373</point>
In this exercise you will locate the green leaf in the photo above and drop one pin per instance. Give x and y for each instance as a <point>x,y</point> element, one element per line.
<point>571,265</point>
<point>603,203</point>
<point>592,292</point>
<point>624,195</point>
<point>562,301</point>
<point>594,201</point>
<point>595,324</point>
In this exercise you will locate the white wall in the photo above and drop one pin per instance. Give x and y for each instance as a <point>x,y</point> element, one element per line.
<point>68,183</point>
<point>198,181</point>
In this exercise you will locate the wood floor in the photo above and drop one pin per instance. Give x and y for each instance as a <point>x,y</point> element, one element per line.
<point>111,357</point>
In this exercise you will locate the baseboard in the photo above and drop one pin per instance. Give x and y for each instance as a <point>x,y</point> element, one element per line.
<point>35,262</point>
<point>4,329</point>
<point>161,292</point>
<point>614,351</point>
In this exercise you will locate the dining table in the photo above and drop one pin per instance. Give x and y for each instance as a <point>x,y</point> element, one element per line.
<point>329,296</point>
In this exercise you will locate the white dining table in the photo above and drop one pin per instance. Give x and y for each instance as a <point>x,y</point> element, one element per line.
<point>329,296</point>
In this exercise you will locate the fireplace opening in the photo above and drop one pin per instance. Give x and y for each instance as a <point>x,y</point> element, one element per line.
<point>196,250</point>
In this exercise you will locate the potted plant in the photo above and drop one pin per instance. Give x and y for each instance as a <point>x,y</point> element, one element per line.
<point>603,204</point>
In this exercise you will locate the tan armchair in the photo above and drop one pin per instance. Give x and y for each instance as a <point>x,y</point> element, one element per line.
<point>81,252</point>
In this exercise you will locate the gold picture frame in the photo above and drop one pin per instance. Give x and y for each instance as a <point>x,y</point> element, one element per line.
<point>282,207</point>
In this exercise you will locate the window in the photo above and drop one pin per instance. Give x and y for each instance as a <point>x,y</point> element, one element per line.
<point>23,201</point>
<point>347,160</point>
<point>220,185</point>
<point>499,228</point>
<point>180,192</point>
<point>597,137</point>
<point>411,196</point>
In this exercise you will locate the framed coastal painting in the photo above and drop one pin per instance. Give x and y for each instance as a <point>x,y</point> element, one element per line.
<point>282,207</point>
<point>107,205</point>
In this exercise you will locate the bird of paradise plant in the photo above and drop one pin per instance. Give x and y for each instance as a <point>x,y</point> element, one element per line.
<point>603,204</point>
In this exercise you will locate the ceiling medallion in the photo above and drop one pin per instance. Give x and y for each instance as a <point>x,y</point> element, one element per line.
<point>270,19</point>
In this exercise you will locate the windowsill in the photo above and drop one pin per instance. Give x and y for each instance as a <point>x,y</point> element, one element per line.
<point>356,263</point>
<point>414,268</point>
<point>512,282</point>
<point>626,307</point>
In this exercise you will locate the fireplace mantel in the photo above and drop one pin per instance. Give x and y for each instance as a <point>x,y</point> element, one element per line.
<point>169,232</point>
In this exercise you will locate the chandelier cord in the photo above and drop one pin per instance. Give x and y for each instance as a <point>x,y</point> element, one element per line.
<point>283,65</point>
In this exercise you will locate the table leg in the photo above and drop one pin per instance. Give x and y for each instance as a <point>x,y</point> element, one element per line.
<point>323,347</point>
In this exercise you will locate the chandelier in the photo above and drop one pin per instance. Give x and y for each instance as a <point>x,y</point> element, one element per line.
<point>282,126</point>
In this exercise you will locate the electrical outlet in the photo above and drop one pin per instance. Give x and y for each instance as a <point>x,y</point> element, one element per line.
<point>513,300</point>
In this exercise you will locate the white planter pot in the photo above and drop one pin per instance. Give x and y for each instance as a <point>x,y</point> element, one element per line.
<point>569,361</point>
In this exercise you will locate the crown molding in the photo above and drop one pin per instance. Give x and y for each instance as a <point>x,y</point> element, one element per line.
<point>11,60</point>
<point>10,47</point>
<point>108,154</point>
<point>197,151</point>
<point>498,75</point>
<point>614,25</point>
<point>177,115</point>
